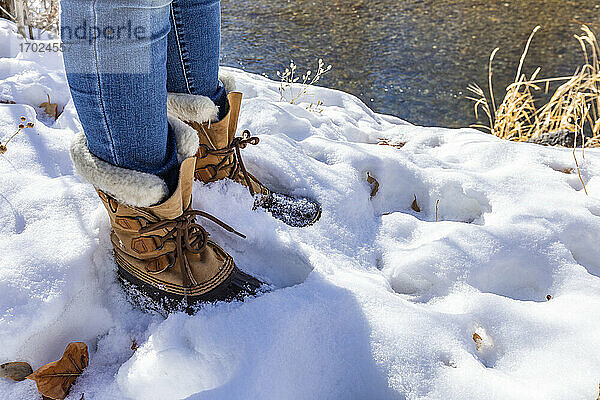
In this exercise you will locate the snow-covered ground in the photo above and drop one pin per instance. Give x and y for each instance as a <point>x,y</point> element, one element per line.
<point>375,301</point>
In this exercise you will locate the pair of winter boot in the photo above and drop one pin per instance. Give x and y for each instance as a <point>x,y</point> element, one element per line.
<point>162,252</point>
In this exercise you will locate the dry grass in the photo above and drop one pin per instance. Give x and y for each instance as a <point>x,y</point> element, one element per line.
<point>574,106</point>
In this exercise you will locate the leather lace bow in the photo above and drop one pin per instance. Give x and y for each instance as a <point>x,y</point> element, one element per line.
<point>233,150</point>
<point>189,237</point>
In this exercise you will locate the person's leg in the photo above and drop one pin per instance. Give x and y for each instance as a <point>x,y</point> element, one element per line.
<point>132,150</point>
<point>116,69</point>
<point>193,74</point>
<point>193,50</point>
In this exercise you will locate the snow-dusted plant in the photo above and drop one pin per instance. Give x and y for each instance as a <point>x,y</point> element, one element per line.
<point>315,107</point>
<point>29,14</point>
<point>292,87</point>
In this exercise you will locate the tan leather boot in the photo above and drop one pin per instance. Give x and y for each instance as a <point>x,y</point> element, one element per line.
<point>219,154</point>
<point>161,249</point>
<point>219,157</point>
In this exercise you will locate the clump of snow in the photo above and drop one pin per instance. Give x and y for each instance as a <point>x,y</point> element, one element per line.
<point>375,301</point>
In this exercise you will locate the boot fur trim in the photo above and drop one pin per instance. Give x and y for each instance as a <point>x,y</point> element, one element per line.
<point>228,81</point>
<point>134,188</point>
<point>190,107</point>
<point>186,137</point>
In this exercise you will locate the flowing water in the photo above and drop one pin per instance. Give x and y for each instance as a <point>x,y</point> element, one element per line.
<point>411,58</point>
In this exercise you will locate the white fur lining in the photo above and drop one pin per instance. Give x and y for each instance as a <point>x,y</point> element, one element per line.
<point>190,107</point>
<point>134,188</point>
<point>186,136</point>
<point>228,81</point>
<point>127,186</point>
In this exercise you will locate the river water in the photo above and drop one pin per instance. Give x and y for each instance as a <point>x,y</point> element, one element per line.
<point>411,58</point>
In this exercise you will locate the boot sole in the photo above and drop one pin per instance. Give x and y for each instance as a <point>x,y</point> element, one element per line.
<point>236,286</point>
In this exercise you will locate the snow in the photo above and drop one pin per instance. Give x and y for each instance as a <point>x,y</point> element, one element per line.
<point>375,301</point>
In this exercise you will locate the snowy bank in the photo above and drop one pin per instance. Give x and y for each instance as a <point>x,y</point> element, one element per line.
<point>375,301</point>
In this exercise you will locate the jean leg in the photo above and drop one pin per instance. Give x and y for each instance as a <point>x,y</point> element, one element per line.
<point>193,49</point>
<point>116,69</point>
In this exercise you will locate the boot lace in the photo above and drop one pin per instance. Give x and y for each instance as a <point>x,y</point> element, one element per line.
<point>237,164</point>
<point>189,237</point>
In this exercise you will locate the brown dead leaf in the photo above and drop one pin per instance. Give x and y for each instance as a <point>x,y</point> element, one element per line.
<point>478,341</point>
<point>548,297</point>
<point>374,184</point>
<point>134,345</point>
<point>50,108</point>
<point>566,170</point>
<point>54,380</point>
<point>17,371</point>
<point>7,102</point>
<point>386,142</point>
<point>415,205</point>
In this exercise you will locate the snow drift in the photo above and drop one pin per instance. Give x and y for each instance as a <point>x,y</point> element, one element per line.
<point>375,301</point>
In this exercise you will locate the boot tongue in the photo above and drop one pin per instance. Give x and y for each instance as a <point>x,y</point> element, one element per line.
<point>179,201</point>
<point>235,103</point>
<point>221,133</point>
<point>216,137</point>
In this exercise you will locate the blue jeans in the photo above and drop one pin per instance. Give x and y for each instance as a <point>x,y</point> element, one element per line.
<point>124,56</point>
